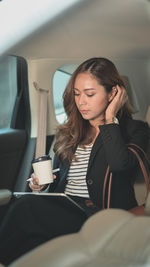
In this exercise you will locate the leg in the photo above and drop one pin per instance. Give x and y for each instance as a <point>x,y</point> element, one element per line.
<point>3,211</point>
<point>32,220</point>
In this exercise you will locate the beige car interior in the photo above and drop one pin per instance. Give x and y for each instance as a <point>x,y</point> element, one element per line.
<point>109,238</point>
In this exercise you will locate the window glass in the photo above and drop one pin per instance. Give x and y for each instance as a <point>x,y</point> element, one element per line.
<point>60,81</point>
<point>8,89</point>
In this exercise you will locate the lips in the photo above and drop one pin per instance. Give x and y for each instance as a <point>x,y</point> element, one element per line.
<point>84,111</point>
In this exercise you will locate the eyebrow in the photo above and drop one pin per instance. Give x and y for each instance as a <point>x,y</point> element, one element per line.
<point>86,89</point>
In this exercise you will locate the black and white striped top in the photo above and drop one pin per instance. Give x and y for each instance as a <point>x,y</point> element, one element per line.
<point>76,180</point>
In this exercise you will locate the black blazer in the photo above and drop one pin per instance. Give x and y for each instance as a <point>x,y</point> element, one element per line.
<point>110,148</point>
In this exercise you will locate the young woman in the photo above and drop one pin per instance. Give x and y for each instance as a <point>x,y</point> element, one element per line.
<point>96,135</point>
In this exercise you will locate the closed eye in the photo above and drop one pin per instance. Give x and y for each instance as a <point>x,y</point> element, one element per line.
<point>90,95</point>
<point>76,94</point>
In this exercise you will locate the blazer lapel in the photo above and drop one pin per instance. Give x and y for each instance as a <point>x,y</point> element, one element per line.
<point>96,147</point>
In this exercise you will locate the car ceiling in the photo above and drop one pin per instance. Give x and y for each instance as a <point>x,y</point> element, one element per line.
<point>99,27</point>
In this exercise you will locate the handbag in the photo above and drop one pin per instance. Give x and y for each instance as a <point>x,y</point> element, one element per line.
<point>139,210</point>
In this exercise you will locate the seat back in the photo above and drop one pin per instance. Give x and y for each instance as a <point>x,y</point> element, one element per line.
<point>109,238</point>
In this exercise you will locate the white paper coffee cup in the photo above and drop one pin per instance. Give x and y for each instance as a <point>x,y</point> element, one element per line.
<point>42,167</point>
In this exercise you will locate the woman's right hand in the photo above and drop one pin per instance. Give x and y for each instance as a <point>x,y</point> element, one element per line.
<point>34,184</point>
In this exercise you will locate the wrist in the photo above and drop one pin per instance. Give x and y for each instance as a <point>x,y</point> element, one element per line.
<point>111,120</point>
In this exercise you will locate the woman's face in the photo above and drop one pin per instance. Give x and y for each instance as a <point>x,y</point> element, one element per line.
<point>91,98</point>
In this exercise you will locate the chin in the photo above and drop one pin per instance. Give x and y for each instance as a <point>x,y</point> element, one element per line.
<point>86,117</point>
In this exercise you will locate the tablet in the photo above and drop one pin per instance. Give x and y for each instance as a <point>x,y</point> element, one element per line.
<point>68,201</point>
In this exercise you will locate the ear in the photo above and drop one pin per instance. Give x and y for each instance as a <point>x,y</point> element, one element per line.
<point>112,94</point>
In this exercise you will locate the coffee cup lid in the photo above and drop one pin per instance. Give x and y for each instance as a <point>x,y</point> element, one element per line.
<point>42,158</point>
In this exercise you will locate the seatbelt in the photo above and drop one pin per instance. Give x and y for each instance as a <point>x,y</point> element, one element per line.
<point>42,121</point>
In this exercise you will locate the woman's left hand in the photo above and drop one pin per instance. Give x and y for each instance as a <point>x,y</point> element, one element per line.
<point>116,103</point>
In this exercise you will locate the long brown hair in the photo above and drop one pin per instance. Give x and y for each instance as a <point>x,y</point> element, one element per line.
<point>77,130</point>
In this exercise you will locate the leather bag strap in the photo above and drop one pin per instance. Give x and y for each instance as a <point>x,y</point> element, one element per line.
<point>145,155</point>
<point>109,188</point>
<point>143,169</point>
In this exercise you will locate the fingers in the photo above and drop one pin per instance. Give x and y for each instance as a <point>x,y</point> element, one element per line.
<point>119,99</point>
<point>34,184</point>
<point>121,90</point>
<point>121,94</point>
<point>35,187</point>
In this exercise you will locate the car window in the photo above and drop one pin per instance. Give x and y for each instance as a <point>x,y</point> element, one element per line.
<point>8,89</point>
<point>60,81</point>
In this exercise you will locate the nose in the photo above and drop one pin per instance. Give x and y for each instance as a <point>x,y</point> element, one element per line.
<point>82,99</point>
